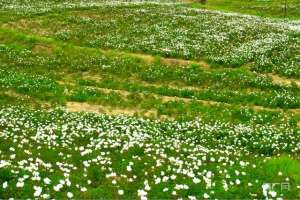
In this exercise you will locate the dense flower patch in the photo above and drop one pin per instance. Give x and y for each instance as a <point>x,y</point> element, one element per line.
<point>175,31</point>
<point>214,127</point>
<point>60,155</point>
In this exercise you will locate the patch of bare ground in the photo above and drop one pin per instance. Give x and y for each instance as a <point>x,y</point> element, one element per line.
<point>125,93</point>
<point>276,79</point>
<point>69,78</point>
<point>296,111</point>
<point>86,107</point>
<point>28,26</point>
<point>165,99</point>
<point>283,81</point>
<point>14,94</point>
<point>147,58</point>
<point>100,109</point>
<point>152,113</point>
<point>27,98</point>
<point>43,49</point>
<point>190,1</point>
<point>93,108</point>
<point>92,77</point>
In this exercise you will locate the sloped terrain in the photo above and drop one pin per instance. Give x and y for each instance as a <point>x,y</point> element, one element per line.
<point>152,99</point>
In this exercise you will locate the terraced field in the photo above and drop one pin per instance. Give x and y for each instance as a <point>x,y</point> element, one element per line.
<point>147,100</point>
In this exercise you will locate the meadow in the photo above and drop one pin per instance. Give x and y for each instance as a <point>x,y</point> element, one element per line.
<point>267,8</point>
<point>148,100</point>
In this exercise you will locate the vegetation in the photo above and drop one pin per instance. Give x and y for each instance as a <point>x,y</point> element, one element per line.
<point>271,8</point>
<point>175,31</point>
<point>147,100</point>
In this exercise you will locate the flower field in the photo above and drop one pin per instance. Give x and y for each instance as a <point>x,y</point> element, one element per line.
<point>147,100</point>
<point>173,31</point>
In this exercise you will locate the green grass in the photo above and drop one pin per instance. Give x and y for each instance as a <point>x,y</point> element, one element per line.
<point>249,161</point>
<point>267,46</point>
<point>269,8</point>
<point>220,126</point>
<point>211,85</point>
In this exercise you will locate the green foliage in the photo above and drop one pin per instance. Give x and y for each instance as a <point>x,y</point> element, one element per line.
<point>216,125</point>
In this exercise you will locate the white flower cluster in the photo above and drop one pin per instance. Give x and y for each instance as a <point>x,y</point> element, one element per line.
<point>176,31</point>
<point>61,152</point>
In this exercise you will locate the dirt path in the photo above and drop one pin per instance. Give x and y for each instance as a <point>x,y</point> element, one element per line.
<point>99,109</point>
<point>283,81</point>
<point>125,93</point>
<point>148,58</point>
<point>108,110</point>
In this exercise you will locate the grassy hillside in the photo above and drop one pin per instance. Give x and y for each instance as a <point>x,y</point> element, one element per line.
<point>288,9</point>
<point>146,100</point>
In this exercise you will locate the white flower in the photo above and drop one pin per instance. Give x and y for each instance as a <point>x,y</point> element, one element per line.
<point>157,180</point>
<point>209,174</point>
<point>192,197</point>
<point>20,184</point>
<point>147,187</point>
<point>242,163</point>
<point>120,192</point>
<point>142,193</point>
<point>265,188</point>
<point>45,196</point>
<point>83,189</point>
<point>143,198</point>
<point>196,180</point>
<point>165,178</point>
<point>38,191</point>
<point>206,196</point>
<point>287,179</point>
<point>237,181</point>
<point>57,187</point>
<point>225,185</point>
<point>280,173</point>
<point>47,181</point>
<point>237,172</point>
<point>129,168</point>
<point>4,185</point>
<point>165,189</point>
<point>70,195</point>
<point>68,182</point>
<point>190,174</point>
<point>273,193</point>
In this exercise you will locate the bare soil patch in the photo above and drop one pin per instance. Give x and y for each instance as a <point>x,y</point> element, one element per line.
<point>284,81</point>
<point>42,48</point>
